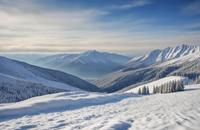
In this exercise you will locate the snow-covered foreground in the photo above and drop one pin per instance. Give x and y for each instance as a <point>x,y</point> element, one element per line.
<point>91,111</point>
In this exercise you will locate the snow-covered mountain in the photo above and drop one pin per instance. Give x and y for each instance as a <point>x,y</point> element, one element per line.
<point>128,77</point>
<point>94,56</point>
<point>182,60</point>
<point>15,75</point>
<point>158,56</point>
<point>89,64</point>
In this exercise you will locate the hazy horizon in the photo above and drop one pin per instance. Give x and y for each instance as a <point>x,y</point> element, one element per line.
<point>130,54</point>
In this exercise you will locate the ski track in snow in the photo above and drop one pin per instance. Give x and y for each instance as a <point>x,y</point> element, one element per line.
<point>91,111</point>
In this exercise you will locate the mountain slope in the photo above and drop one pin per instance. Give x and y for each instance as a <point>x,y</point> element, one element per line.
<point>188,66</point>
<point>33,73</point>
<point>14,90</point>
<point>158,56</point>
<point>14,73</point>
<point>89,64</point>
<point>121,111</point>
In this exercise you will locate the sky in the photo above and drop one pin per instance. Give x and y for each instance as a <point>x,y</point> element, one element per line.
<point>123,26</point>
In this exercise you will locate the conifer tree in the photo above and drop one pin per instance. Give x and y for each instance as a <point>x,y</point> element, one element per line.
<point>144,90</point>
<point>139,91</point>
<point>147,90</point>
<point>154,90</point>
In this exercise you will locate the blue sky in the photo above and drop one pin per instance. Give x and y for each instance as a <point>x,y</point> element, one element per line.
<point>126,26</point>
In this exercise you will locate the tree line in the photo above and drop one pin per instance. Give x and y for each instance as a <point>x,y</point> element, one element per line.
<point>170,87</point>
<point>144,90</point>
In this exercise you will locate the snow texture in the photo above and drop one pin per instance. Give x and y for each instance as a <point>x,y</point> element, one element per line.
<point>92,111</point>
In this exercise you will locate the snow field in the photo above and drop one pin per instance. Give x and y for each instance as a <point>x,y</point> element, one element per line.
<point>91,111</point>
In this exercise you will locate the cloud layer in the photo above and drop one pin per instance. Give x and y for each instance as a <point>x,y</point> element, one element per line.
<point>31,26</point>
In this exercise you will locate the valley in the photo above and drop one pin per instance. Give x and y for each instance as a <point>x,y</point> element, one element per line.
<point>34,97</point>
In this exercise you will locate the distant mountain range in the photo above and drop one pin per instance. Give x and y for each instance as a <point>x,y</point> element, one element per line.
<point>182,60</point>
<point>116,72</point>
<point>19,81</point>
<point>90,64</point>
<point>159,56</point>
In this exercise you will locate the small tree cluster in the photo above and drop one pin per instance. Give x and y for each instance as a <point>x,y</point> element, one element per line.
<point>170,87</point>
<point>144,90</point>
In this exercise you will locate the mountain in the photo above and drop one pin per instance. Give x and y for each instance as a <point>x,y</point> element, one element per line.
<point>24,57</point>
<point>19,76</point>
<point>158,56</point>
<point>127,78</point>
<point>90,64</point>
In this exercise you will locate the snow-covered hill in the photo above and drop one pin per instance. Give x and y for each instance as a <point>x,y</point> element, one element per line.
<point>19,76</point>
<point>119,111</point>
<point>158,56</point>
<point>14,90</point>
<point>159,83</point>
<point>89,64</point>
<point>32,73</point>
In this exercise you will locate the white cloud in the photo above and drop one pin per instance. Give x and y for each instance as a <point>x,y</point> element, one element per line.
<point>133,4</point>
<point>26,26</point>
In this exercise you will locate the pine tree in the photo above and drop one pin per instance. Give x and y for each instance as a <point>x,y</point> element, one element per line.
<point>161,89</point>
<point>168,88</point>
<point>198,80</point>
<point>147,90</point>
<point>173,87</point>
<point>179,86</point>
<point>154,90</point>
<point>157,89</point>
<point>144,90</point>
<point>139,91</point>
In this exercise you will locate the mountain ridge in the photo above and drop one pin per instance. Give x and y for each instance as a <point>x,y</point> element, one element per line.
<point>129,77</point>
<point>87,64</point>
<point>162,55</point>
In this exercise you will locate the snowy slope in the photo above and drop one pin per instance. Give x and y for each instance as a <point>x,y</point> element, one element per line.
<point>188,65</point>
<point>159,83</point>
<point>88,64</point>
<point>19,81</point>
<point>181,60</point>
<point>52,78</point>
<point>14,90</point>
<point>158,56</point>
<point>90,111</point>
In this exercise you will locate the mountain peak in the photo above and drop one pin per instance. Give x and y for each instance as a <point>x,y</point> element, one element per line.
<point>91,52</point>
<point>168,53</point>
<point>94,56</point>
